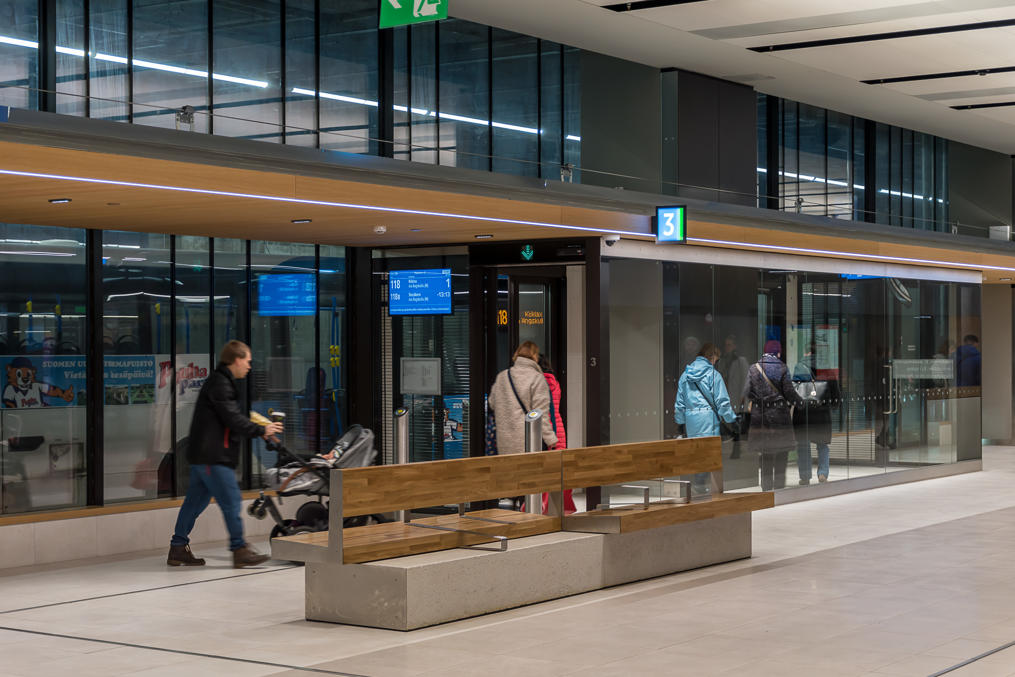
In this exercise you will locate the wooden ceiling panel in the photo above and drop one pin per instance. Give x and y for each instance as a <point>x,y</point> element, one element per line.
<point>24,199</point>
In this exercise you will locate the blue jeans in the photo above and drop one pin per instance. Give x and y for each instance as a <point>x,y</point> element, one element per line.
<point>803,459</point>
<point>207,482</point>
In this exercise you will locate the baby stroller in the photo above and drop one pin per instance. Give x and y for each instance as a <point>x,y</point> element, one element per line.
<point>310,477</point>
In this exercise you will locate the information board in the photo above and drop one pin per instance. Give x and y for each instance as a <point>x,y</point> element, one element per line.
<point>419,292</point>
<point>286,294</point>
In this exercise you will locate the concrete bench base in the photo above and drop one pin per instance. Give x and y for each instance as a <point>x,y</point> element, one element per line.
<point>421,590</point>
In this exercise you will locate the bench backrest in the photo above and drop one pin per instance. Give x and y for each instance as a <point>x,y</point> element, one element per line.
<point>616,463</point>
<point>379,489</point>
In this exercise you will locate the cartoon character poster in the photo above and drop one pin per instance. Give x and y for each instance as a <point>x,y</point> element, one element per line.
<point>34,381</point>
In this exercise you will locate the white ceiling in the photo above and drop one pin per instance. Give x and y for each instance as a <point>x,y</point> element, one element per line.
<point>713,37</point>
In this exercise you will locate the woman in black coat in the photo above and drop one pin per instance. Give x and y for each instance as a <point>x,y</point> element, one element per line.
<point>771,397</point>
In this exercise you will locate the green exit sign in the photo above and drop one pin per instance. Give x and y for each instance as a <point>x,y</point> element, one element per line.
<point>404,12</point>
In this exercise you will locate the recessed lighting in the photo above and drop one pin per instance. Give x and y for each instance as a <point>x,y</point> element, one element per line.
<point>302,220</point>
<point>59,200</point>
<point>1005,279</point>
<point>415,230</point>
<point>486,236</point>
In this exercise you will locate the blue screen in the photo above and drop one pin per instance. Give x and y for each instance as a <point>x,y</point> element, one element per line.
<point>286,295</point>
<point>419,292</point>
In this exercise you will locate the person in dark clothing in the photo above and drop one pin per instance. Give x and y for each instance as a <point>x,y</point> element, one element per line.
<point>769,390</point>
<point>216,433</point>
<point>967,362</point>
<point>813,420</point>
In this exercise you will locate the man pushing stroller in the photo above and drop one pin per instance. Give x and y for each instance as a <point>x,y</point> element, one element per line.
<point>216,433</point>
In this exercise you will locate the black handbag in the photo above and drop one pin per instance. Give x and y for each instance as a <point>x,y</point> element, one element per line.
<point>814,394</point>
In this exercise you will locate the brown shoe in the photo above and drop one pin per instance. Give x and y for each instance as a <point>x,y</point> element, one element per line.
<point>181,556</point>
<point>248,557</point>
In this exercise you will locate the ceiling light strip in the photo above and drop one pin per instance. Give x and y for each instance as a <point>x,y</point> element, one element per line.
<point>320,203</point>
<point>893,35</point>
<point>939,76</point>
<point>829,252</point>
<point>635,5</point>
<point>977,106</point>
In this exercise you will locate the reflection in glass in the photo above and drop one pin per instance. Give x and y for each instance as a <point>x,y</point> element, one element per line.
<point>248,102</point>
<point>107,59</point>
<point>70,60</point>
<point>170,61</point>
<point>193,362</point>
<point>283,305</point>
<point>136,327</point>
<point>515,115</point>
<point>300,64</point>
<point>43,352</point>
<point>348,63</point>
<point>464,95</point>
<point>19,62</point>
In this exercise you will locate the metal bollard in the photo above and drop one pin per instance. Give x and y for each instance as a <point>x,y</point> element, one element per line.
<point>400,435</point>
<point>534,442</point>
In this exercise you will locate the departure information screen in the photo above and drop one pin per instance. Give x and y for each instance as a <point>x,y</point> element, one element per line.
<point>286,295</point>
<point>419,292</point>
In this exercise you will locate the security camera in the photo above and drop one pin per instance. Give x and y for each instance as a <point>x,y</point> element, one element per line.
<point>610,240</point>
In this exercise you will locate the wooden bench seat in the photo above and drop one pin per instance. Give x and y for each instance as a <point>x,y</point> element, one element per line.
<point>661,514</point>
<point>381,489</point>
<point>398,539</point>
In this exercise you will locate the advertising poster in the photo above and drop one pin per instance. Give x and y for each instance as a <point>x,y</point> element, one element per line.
<point>454,425</point>
<point>32,381</point>
<point>129,379</point>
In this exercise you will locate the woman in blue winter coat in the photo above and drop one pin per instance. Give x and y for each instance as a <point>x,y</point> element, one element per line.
<point>702,399</point>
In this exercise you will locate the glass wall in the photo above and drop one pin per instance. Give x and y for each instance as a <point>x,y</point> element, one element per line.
<point>407,344</point>
<point>822,170</point>
<point>136,334</point>
<point>170,62</point>
<point>285,372</point>
<point>168,305</point>
<point>307,73</point>
<point>44,350</point>
<point>19,66</point>
<point>883,372</point>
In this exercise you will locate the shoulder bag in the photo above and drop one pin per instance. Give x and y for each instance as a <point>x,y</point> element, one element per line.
<point>727,431</point>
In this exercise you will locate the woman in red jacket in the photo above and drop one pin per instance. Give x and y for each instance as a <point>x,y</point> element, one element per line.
<point>558,427</point>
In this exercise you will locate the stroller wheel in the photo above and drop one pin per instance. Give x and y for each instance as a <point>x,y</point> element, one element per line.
<point>256,509</point>
<point>313,514</point>
<point>288,528</point>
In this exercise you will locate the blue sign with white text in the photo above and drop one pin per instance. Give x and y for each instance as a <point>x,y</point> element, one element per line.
<point>286,295</point>
<point>419,292</point>
<point>671,224</point>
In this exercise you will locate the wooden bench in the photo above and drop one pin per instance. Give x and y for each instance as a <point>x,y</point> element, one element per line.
<point>648,461</point>
<point>407,575</point>
<point>381,489</point>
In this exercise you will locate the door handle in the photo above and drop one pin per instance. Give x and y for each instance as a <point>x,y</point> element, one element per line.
<point>893,398</point>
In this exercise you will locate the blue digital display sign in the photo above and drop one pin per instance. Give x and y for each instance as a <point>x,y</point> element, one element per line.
<point>419,292</point>
<point>286,295</point>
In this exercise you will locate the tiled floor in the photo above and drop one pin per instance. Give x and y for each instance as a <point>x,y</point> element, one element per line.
<point>906,580</point>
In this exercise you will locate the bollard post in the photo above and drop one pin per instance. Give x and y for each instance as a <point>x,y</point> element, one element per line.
<point>400,435</point>
<point>534,442</point>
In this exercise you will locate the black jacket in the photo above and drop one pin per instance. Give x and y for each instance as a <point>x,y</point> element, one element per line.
<point>219,425</point>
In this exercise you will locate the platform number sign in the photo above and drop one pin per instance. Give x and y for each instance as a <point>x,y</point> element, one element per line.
<point>671,224</point>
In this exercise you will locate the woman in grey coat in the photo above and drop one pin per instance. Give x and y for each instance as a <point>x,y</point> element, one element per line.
<point>510,404</point>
